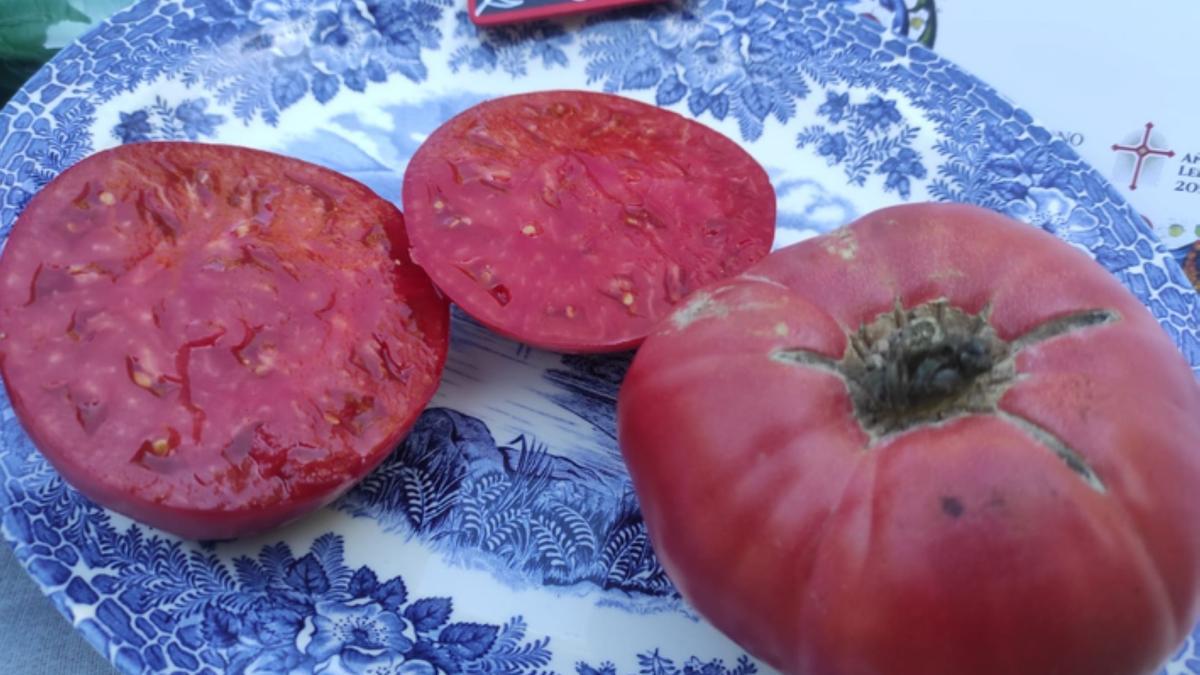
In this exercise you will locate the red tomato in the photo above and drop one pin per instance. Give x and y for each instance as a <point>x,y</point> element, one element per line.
<point>214,340</point>
<point>574,221</point>
<point>935,442</point>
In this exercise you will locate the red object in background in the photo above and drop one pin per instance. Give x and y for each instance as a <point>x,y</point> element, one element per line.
<point>493,13</point>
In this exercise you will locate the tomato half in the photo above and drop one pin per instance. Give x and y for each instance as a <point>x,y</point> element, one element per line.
<point>574,221</point>
<point>934,442</point>
<point>214,340</point>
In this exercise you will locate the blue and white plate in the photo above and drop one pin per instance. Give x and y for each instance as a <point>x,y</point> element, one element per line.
<point>502,536</point>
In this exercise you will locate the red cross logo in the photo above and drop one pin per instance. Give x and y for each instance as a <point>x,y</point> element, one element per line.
<point>1142,151</point>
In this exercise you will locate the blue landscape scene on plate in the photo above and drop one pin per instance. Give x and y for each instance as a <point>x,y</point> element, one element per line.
<point>529,514</point>
<point>516,505</point>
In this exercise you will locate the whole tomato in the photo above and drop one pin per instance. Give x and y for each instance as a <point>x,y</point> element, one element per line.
<point>934,442</point>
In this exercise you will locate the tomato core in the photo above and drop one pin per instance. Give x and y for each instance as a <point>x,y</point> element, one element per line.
<point>926,364</point>
<point>935,362</point>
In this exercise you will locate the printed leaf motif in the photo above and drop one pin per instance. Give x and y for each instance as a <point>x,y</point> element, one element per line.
<point>554,546</point>
<point>429,614</point>
<point>220,627</point>
<point>250,574</point>
<point>467,640</point>
<point>643,78</point>
<point>606,668</point>
<point>670,91</point>
<point>719,106</point>
<point>307,576</point>
<point>758,101</point>
<point>392,594</point>
<point>328,549</point>
<point>416,491</point>
<point>324,87</point>
<point>363,584</point>
<point>289,87</point>
<point>578,528</point>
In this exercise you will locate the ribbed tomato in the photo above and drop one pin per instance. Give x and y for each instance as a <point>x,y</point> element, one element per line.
<point>935,442</point>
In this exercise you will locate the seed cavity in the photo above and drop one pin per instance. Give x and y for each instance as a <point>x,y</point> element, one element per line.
<point>484,274</point>
<point>673,282</point>
<point>479,135</point>
<point>142,380</point>
<point>154,449</point>
<point>622,289</point>
<point>141,377</point>
<point>90,413</point>
<point>496,179</point>
<point>500,294</point>
<point>477,270</point>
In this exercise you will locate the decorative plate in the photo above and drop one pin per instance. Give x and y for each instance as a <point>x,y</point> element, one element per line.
<point>502,536</point>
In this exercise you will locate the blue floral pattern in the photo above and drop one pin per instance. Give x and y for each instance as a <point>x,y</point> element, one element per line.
<point>266,55</point>
<point>510,48</point>
<point>738,58</point>
<point>866,138</point>
<point>160,121</point>
<point>885,115</point>
<point>653,663</point>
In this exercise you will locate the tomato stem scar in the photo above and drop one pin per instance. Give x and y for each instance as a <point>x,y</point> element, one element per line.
<point>934,362</point>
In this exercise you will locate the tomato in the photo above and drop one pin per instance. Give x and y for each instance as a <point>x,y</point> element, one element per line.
<point>214,340</point>
<point>574,221</point>
<point>934,442</point>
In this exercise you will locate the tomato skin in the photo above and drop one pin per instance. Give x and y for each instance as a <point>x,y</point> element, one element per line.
<point>965,546</point>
